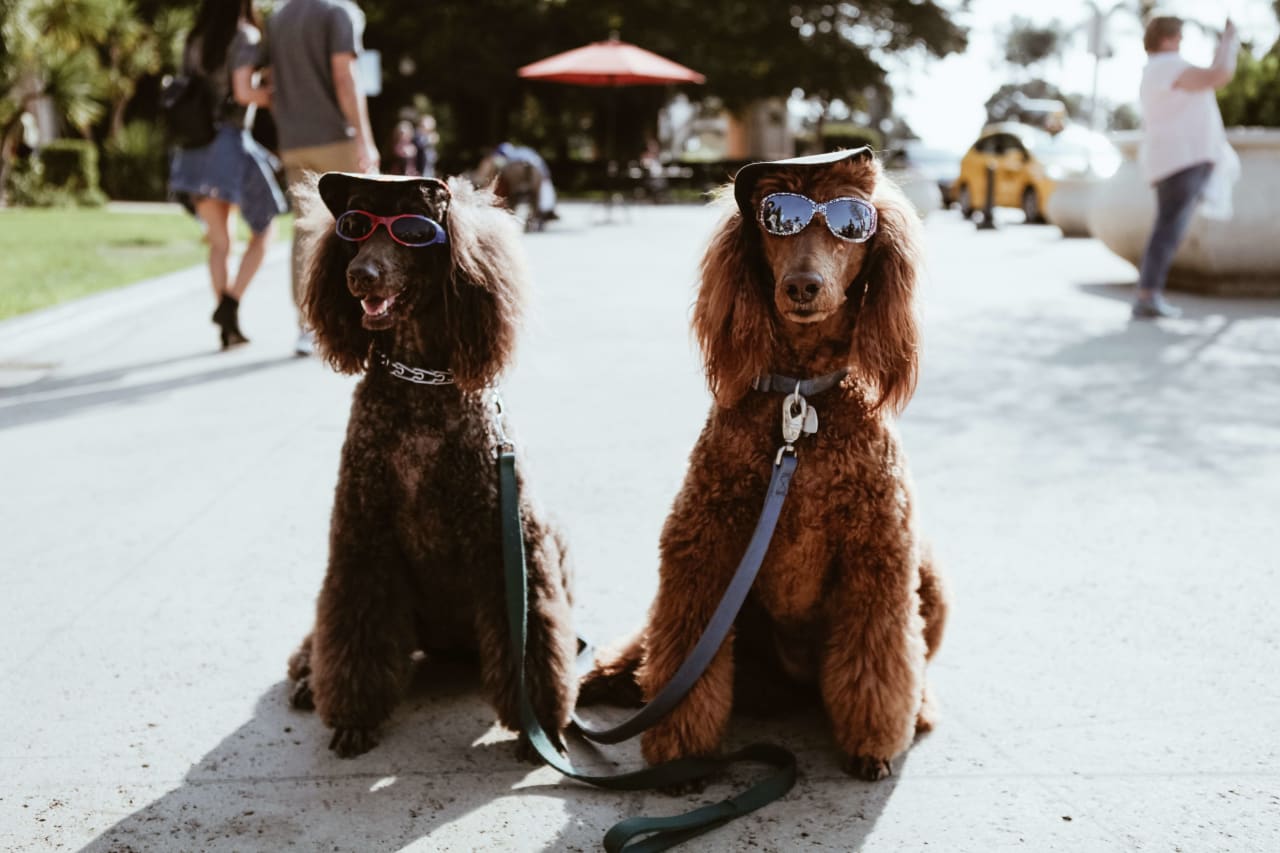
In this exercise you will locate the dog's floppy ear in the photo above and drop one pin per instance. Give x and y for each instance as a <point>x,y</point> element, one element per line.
<point>732,317</point>
<point>885,348</point>
<point>488,275</point>
<point>330,310</point>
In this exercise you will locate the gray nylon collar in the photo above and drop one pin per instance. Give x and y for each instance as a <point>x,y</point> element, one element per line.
<point>786,384</point>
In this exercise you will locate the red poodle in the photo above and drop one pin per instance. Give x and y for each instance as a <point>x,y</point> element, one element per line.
<point>811,276</point>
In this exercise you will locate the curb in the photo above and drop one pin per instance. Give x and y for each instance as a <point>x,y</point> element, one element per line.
<point>28,331</point>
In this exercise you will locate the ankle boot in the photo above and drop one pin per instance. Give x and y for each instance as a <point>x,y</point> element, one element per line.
<point>226,307</point>
<point>228,317</point>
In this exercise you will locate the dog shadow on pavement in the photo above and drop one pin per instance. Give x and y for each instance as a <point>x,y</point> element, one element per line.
<point>444,778</point>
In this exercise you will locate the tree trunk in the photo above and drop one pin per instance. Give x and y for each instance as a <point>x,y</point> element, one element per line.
<point>117,118</point>
<point>8,154</point>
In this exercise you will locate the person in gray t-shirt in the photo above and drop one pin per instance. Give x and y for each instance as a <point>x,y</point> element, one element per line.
<point>319,105</point>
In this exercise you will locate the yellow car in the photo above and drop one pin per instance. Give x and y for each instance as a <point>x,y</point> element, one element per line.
<point>1028,163</point>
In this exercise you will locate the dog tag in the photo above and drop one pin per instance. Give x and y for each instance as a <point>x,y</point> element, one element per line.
<point>811,421</point>
<point>793,416</point>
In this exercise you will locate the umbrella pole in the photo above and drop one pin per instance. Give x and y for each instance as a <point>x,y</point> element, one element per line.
<point>611,193</point>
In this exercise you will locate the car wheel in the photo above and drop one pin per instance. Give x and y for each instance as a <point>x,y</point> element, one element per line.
<point>965,201</point>
<point>1031,206</point>
<point>944,189</point>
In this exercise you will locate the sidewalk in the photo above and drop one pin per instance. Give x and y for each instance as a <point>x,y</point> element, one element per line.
<point>1102,495</point>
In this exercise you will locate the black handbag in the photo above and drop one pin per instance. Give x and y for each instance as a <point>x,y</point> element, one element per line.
<point>187,108</point>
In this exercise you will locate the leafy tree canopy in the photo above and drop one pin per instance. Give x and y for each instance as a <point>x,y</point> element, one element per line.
<point>465,53</point>
<point>1008,102</point>
<point>1027,44</point>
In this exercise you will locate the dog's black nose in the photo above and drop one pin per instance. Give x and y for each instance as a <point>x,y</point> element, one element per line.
<point>802,286</point>
<point>362,275</point>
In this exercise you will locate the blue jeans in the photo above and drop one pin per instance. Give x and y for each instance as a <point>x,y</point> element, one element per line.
<point>1176,198</point>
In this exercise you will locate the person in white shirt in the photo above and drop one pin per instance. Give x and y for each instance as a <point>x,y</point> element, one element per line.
<point>1183,139</point>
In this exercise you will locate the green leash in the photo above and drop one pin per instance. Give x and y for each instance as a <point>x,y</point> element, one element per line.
<point>649,834</point>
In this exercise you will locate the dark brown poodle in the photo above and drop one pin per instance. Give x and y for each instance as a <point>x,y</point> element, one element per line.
<point>415,557</point>
<point>847,600</point>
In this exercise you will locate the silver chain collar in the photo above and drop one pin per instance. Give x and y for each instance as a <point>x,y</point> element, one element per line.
<point>416,375</point>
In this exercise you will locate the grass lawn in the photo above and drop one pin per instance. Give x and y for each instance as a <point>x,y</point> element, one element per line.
<point>53,256</point>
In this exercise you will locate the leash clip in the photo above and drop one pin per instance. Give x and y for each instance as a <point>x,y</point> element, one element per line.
<point>794,409</point>
<point>505,444</point>
<point>798,419</point>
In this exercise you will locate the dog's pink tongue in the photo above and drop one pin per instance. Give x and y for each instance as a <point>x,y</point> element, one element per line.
<point>376,306</point>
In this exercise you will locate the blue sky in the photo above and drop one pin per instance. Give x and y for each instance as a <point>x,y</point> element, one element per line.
<point>942,99</point>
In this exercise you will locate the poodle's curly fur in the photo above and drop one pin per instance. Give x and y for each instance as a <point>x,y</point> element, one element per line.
<point>415,556</point>
<point>847,599</point>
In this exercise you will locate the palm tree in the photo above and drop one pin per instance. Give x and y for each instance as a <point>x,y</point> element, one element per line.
<point>49,50</point>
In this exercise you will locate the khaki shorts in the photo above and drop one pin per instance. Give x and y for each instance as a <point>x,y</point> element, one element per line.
<point>336,157</point>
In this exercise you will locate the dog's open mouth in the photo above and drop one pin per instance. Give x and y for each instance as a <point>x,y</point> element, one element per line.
<point>377,311</point>
<point>806,315</point>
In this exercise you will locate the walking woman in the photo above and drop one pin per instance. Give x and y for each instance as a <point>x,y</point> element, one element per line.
<point>225,47</point>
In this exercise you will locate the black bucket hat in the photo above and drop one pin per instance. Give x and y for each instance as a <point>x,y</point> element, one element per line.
<point>745,181</point>
<point>335,187</point>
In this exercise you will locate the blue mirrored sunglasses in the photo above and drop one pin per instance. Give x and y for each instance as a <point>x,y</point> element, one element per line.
<point>785,214</point>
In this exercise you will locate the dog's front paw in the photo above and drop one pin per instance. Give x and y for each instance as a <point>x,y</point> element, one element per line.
<point>661,744</point>
<point>526,752</point>
<point>300,696</point>
<point>867,767</point>
<point>350,742</point>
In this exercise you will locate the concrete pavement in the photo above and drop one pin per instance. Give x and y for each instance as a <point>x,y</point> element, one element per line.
<point>1102,494</point>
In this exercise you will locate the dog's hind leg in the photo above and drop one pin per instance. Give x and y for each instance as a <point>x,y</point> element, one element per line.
<point>934,603</point>
<point>300,674</point>
<point>612,679</point>
<point>560,556</point>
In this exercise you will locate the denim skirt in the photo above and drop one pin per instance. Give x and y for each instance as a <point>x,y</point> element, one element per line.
<point>233,168</point>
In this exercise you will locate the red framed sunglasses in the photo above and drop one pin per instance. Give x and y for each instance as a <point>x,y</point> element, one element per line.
<point>407,229</point>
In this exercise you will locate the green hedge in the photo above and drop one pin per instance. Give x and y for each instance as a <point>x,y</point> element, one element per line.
<point>71,165</point>
<point>61,174</point>
<point>841,135</point>
<point>135,165</point>
<point>1250,98</point>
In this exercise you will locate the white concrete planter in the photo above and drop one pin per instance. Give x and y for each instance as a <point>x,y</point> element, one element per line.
<point>921,190</point>
<point>1068,207</point>
<point>1238,257</point>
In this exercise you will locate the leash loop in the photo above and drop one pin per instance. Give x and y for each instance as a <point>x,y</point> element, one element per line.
<point>650,834</point>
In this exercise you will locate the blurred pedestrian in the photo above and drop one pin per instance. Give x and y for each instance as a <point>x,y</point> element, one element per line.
<point>404,151</point>
<point>653,171</point>
<point>1183,144</point>
<point>320,106</point>
<point>224,48</point>
<point>426,139</point>
<point>546,200</point>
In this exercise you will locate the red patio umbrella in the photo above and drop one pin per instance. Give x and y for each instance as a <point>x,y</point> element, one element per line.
<point>610,63</point>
